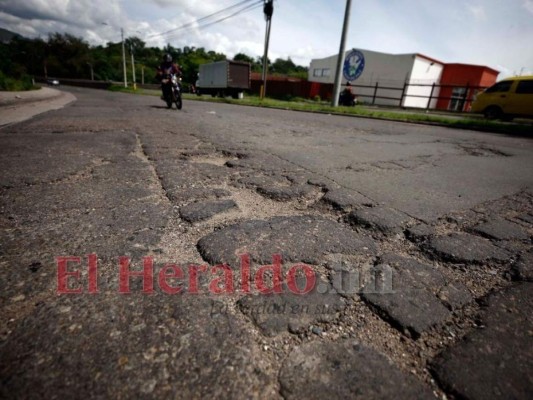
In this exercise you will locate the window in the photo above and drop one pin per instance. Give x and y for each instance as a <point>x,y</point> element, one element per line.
<point>457,100</point>
<point>502,86</point>
<point>525,87</point>
<point>321,72</point>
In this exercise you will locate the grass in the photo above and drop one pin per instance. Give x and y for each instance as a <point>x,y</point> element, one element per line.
<point>458,121</point>
<point>16,85</point>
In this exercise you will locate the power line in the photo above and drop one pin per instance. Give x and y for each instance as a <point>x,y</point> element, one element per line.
<point>198,21</point>
<point>245,9</point>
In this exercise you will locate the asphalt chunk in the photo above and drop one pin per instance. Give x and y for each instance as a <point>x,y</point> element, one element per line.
<point>345,200</point>
<point>417,297</point>
<point>522,270</point>
<point>386,220</point>
<point>501,229</point>
<point>494,362</point>
<point>304,239</point>
<point>345,370</point>
<point>466,248</point>
<point>203,210</point>
<point>290,311</point>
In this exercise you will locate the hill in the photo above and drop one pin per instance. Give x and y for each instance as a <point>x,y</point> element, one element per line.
<point>6,36</point>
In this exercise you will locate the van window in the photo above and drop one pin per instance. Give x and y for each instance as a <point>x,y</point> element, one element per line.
<point>525,87</point>
<point>502,86</point>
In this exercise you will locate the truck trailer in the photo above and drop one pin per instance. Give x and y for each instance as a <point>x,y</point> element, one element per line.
<point>224,78</point>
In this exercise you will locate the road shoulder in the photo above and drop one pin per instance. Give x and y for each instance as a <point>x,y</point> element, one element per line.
<point>20,106</point>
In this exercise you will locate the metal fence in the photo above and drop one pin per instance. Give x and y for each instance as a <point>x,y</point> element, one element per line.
<point>405,94</point>
<point>428,96</point>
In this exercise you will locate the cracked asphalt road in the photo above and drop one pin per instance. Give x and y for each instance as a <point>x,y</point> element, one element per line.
<point>420,239</point>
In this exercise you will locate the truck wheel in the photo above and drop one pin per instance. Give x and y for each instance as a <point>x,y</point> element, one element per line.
<point>493,112</point>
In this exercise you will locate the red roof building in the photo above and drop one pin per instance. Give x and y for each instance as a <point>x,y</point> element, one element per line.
<point>459,83</point>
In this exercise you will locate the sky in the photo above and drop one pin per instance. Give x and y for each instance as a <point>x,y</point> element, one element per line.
<point>495,33</point>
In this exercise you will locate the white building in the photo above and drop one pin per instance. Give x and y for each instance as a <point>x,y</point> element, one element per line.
<point>384,79</point>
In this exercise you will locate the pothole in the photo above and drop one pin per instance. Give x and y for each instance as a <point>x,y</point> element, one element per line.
<point>209,159</point>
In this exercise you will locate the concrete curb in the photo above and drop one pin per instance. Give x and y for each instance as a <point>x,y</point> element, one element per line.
<point>20,106</point>
<point>11,98</point>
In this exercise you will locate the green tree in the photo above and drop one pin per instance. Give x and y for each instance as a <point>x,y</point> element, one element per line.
<point>66,56</point>
<point>244,57</point>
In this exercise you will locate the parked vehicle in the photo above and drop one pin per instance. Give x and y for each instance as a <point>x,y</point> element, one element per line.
<point>507,99</point>
<point>224,78</point>
<point>172,91</point>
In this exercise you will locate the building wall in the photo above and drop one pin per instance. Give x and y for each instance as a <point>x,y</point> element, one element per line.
<point>425,72</point>
<point>389,72</point>
<point>384,77</point>
<point>390,69</point>
<point>456,76</point>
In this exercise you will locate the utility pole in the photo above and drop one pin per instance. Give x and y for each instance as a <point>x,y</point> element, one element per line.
<point>340,61</point>
<point>133,68</point>
<point>92,72</point>
<point>124,58</point>
<point>268,9</point>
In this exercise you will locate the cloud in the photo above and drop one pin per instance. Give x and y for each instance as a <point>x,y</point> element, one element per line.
<point>528,5</point>
<point>45,16</point>
<point>36,9</point>
<point>478,12</point>
<point>489,32</point>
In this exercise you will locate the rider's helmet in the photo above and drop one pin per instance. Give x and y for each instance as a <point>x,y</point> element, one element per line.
<point>167,58</point>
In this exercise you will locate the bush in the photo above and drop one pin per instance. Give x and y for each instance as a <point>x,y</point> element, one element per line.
<point>317,98</point>
<point>11,84</point>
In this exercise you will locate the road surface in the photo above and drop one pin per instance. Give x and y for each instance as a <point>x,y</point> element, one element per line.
<point>237,252</point>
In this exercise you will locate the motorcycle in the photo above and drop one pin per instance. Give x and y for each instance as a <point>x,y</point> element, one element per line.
<point>172,91</point>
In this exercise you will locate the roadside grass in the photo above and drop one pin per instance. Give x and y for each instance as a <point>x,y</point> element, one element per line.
<point>16,85</point>
<point>474,122</point>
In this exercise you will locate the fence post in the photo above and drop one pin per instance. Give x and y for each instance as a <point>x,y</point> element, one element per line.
<point>375,94</point>
<point>403,93</point>
<point>431,96</point>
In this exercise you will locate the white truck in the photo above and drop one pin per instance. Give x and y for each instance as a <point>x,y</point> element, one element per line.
<point>224,78</point>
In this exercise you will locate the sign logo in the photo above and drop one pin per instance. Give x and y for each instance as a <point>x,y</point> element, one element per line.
<point>354,64</point>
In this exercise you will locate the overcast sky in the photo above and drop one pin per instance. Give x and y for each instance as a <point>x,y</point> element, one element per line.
<point>496,33</point>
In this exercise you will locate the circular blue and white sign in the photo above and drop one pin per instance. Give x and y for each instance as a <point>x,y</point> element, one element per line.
<point>354,64</point>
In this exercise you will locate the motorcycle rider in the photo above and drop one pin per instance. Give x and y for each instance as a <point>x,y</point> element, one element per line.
<point>166,68</point>
<point>347,98</point>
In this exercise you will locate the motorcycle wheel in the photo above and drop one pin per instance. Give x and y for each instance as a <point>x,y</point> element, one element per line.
<point>179,103</point>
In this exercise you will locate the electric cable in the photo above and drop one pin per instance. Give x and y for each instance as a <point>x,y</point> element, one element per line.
<point>192,24</point>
